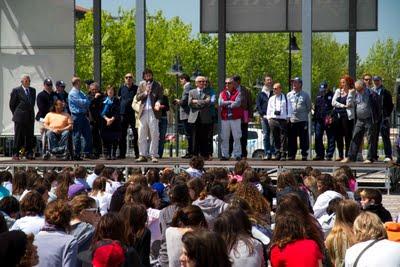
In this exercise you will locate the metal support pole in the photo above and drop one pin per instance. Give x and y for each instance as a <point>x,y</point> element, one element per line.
<point>97,40</point>
<point>177,120</point>
<point>306,66</point>
<point>140,38</point>
<point>353,38</point>
<point>221,59</point>
<point>290,62</point>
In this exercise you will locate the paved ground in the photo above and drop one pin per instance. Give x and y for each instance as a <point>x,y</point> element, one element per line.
<point>392,203</point>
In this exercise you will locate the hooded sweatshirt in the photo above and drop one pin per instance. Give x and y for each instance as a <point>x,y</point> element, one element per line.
<point>211,207</point>
<point>322,202</point>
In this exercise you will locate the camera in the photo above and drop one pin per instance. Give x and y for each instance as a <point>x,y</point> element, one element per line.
<point>277,112</point>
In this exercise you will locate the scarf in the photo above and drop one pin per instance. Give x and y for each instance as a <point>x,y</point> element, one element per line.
<point>107,105</point>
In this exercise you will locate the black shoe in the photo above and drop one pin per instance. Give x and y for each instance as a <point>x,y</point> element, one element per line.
<point>318,158</point>
<point>91,156</point>
<point>30,157</point>
<point>290,158</point>
<point>238,158</point>
<point>303,158</point>
<point>122,157</point>
<point>223,159</point>
<point>77,158</point>
<point>187,156</point>
<point>277,157</point>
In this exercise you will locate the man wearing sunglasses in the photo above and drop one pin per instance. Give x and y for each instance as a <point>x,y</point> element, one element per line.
<point>126,94</point>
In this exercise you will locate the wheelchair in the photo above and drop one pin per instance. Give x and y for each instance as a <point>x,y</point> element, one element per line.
<point>48,151</point>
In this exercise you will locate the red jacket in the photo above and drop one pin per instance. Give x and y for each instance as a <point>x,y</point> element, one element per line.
<point>237,112</point>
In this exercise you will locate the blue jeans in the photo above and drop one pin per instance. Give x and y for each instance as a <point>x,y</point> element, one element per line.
<point>268,148</point>
<point>162,126</point>
<point>81,128</point>
<point>319,143</point>
<point>58,142</point>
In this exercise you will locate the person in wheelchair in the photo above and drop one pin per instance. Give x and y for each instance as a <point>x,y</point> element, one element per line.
<point>58,125</point>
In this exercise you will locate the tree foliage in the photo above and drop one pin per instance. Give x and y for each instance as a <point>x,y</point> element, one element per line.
<point>250,55</point>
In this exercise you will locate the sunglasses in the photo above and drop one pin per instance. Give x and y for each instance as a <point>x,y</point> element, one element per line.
<point>128,77</point>
<point>228,83</point>
<point>367,79</point>
<point>201,81</point>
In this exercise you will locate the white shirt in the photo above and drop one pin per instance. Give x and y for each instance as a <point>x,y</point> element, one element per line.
<point>29,224</point>
<point>382,253</point>
<point>278,103</point>
<point>90,179</point>
<point>147,105</point>
<point>103,199</point>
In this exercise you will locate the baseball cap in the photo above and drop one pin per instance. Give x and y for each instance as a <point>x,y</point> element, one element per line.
<point>109,255</point>
<point>323,85</point>
<point>60,83</point>
<point>48,82</point>
<point>377,78</point>
<point>297,79</point>
<point>89,82</point>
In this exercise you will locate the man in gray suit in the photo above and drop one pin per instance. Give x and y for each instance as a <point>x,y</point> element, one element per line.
<point>149,94</point>
<point>184,111</point>
<point>200,117</point>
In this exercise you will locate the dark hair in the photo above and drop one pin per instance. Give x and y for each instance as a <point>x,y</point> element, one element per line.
<point>292,204</point>
<point>372,193</point>
<point>197,185</point>
<point>236,78</point>
<point>9,205</point>
<point>99,184</point>
<point>58,213</point>
<point>179,195</point>
<point>107,172</point>
<point>153,176</point>
<point>185,77</point>
<point>32,204</point>
<point>234,225</point>
<point>241,166</point>
<point>5,176</point>
<point>80,203</point>
<point>289,227</point>
<point>285,179</point>
<point>189,216</point>
<point>167,175</point>
<point>19,182</point>
<point>197,163</point>
<point>219,173</point>
<point>134,217</point>
<point>98,168</point>
<point>332,205</point>
<point>250,176</point>
<point>64,181</point>
<point>31,177</point>
<point>141,195</point>
<point>50,177</point>
<point>110,226</point>
<point>80,172</point>
<point>327,182</point>
<point>147,71</point>
<point>206,249</point>
<point>53,107</point>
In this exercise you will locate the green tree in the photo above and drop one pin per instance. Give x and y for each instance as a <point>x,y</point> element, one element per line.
<point>384,60</point>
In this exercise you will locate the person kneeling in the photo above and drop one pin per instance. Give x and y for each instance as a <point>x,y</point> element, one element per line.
<point>58,125</point>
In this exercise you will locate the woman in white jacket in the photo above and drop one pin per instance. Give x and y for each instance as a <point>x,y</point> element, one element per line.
<point>343,112</point>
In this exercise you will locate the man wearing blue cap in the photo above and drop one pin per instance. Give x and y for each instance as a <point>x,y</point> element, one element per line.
<point>323,122</point>
<point>385,110</point>
<point>301,107</point>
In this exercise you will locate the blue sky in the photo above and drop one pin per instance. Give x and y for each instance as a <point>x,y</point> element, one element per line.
<point>188,11</point>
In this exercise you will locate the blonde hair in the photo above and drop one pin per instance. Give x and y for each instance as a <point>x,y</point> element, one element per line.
<point>342,236</point>
<point>368,226</point>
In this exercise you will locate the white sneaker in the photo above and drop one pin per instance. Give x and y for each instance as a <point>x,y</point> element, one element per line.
<point>387,160</point>
<point>367,161</point>
<point>346,160</point>
<point>154,159</point>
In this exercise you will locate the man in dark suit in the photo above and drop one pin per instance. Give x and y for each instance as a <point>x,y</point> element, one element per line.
<point>200,117</point>
<point>149,94</point>
<point>126,94</point>
<point>22,103</point>
<point>184,110</point>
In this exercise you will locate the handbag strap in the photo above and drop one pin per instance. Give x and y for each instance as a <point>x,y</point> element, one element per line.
<point>365,249</point>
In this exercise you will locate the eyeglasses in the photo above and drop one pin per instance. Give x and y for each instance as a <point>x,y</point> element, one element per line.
<point>201,81</point>
<point>228,83</point>
<point>367,79</point>
<point>275,88</point>
<point>128,77</point>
